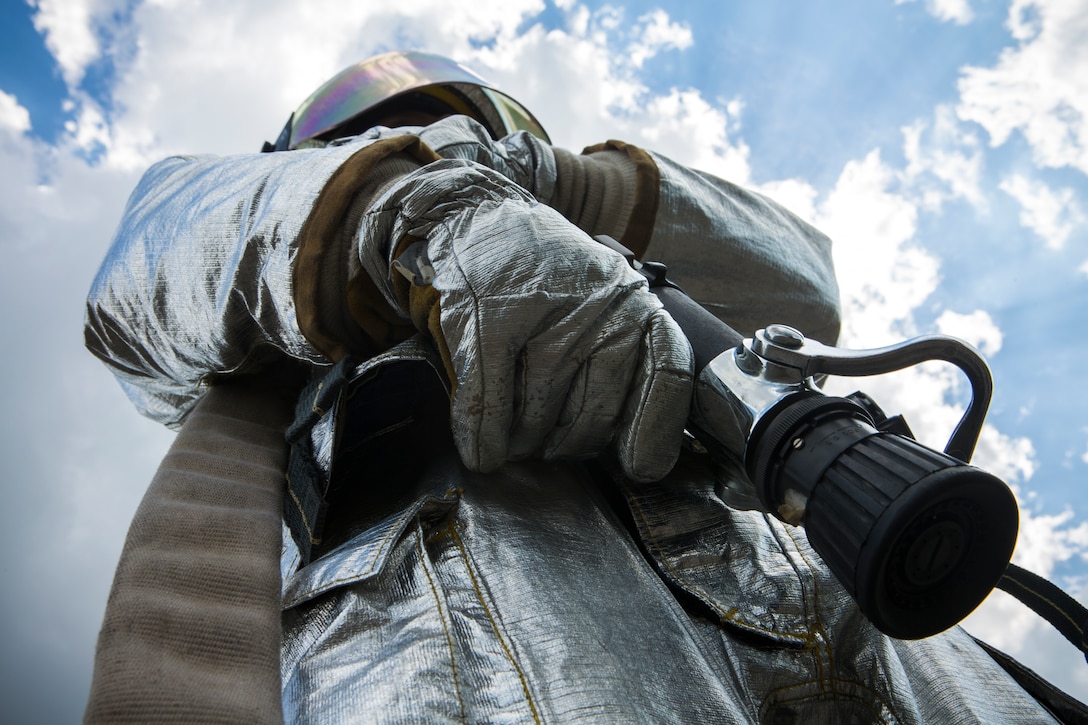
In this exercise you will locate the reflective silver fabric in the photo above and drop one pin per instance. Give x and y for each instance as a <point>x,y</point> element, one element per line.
<point>197,282</point>
<point>543,591</point>
<point>557,346</point>
<point>561,593</point>
<point>746,259</point>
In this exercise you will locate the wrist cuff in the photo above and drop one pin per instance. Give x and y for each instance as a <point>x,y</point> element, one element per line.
<point>612,188</point>
<point>337,307</point>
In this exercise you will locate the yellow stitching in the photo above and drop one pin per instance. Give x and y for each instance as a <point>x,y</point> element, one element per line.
<point>423,558</point>
<point>819,627</point>
<point>317,394</point>
<point>1061,610</point>
<point>301,511</point>
<point>834,679</point>
<point>495,625</point>
<point>707,599</point>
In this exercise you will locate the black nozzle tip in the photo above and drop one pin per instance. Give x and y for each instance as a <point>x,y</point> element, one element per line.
<point>917,537</point>
<point>937,552</point>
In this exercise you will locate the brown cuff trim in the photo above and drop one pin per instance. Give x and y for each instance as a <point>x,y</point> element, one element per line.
<point>422,303</point>
<point>319,234</point>
<point>381,326</point>
<point>640,227</point>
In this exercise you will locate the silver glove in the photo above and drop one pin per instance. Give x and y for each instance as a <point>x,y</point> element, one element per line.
<point>556,345</point>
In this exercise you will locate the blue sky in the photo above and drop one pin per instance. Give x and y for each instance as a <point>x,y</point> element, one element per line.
<point>943,144</point>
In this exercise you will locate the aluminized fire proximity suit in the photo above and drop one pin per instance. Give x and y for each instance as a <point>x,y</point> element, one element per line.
<point>471,558</point>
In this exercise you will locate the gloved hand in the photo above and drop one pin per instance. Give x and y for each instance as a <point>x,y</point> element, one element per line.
<point>556,346</point>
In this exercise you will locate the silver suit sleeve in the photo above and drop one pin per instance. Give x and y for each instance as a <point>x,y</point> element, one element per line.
<point>198,280</point>
<point>744,257</point>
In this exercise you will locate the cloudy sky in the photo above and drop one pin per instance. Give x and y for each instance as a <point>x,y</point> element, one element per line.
<point>943,144</point>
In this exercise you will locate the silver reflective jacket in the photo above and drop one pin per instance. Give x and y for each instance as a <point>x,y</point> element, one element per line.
<point>558,592</point>
<point>546,591</point>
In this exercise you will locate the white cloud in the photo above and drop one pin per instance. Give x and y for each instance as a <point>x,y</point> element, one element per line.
<point>210,77</point>
<point>604,97</point>
<point>656,34</point>
<point>1024,22</point>
<point>882,276</point>
<point>1010,459</point>
<point>89,130</point>
<point>1052,215</point>
<point>13,117</point>
<point>601,92</point>
<point>1048,540</point>
<point>977,329</point>
<point>234,64</point>
<point>1040,87</point>
<point>191,57</point>
<point>688,129</point>
<point>944,161</point>
<point>57,213</point>
<point>69,28</point>
<point>797,195</point>
<point>957,11</point>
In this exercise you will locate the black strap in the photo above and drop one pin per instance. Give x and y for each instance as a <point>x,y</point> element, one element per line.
<point>1066,614</point>
<point>304,506</point>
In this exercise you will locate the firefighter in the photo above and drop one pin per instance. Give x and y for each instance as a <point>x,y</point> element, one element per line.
<point>489,509</point>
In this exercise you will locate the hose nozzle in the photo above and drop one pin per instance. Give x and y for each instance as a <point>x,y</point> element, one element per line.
<point>916,536</point>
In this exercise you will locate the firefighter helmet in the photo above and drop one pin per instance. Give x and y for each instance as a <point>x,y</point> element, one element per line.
<point>401,84</point>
